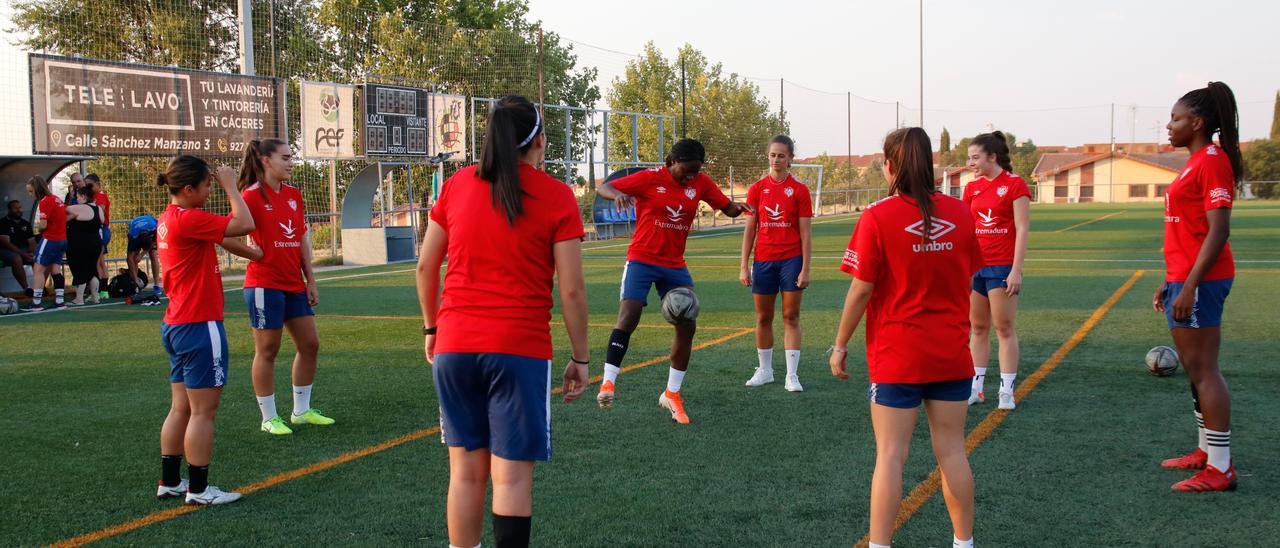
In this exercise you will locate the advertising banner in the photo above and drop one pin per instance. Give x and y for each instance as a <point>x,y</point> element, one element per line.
<point>328,121</point>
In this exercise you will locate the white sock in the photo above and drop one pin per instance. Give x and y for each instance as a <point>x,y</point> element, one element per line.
<point>793,362</point>
<point>1204,444</point>
<point>267,404</point>
<point>766,358</point>
<point>979,377</point>
<point>301,399</point>
<point>874,545</point>
<point>675,378</point>
<point>957,543</point>
<point>1219,449</point>
<point>1006,382</point>
<point>36,295</point>
<point>58,295</point>
<point>611,372</point>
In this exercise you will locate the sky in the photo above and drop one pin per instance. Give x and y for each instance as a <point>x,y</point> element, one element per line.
<point>1048,71</point>
<point>1062,64</point>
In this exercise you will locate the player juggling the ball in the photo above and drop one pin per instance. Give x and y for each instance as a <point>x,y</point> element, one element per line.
<point>666,200</point>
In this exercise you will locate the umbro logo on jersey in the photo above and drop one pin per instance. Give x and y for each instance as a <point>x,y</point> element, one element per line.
<point>162,231</point>
<point>288,229</point>
<point>776,213</point>
<point>662,190</point>
<point>987,219</point>
<point>690,193</point>
<point>939,228</point>
<point>674,215</point>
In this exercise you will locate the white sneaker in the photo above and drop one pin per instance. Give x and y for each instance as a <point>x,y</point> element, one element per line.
<point>793,384</point>
<point>976,397</point>
<point>1006,400</point>
<point>212,496</point>
<point>166,492</point>
<point>762,376</point>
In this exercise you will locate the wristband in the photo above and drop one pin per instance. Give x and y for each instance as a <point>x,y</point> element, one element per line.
<point>579,362</point>
<point>428,330</point>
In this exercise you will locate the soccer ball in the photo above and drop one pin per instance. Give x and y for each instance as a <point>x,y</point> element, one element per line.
<point>1162,361</point>
<point>8,306</point>
<point>680,305</point>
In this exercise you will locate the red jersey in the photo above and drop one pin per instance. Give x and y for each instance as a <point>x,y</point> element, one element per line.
<point>192,278</point>
<point>104,202</point>
<point>498,283</point>
<point>664,213</point>
<point>779,207</point>
<point>917,321</point>
<point>991,204</point>
<point>1206,183</point>
<point>279,225</point>
<point>54,213</point>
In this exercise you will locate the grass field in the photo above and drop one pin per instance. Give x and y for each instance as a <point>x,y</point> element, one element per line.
<point>83,393</point>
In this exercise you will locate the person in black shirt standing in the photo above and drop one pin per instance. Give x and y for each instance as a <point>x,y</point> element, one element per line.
<point>17,243</point>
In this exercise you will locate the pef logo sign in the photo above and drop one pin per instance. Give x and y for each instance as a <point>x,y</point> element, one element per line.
<point>327,120</point>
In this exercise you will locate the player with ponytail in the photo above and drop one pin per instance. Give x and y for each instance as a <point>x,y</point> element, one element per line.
<point>911,256</point>
<point>1000,203</point>
<point>1199,271</point>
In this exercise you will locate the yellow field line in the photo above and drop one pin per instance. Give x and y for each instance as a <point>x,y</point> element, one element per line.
<point>296,473</point>
<point>926,489</point>
<point>1091,221</point>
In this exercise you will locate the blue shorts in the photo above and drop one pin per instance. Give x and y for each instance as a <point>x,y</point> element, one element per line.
<point>768,277</point>
<point>1207,311</point>
<point>909,396</point>
<point>499,402</point>
<point>197,353</point>
<point>991,277</point>
<point>270,308</point>
<point>135,244</point>
<point>105,234</point>
<point>50,252</point>
<point>637,277</point>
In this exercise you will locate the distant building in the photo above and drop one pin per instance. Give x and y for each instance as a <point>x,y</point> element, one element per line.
<point>1108,177</point>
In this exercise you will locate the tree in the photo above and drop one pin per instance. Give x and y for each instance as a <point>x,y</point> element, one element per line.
<point>944,145</point>
<point>1262,163</point>
<point>1275,119</point>
<point>725,112</point>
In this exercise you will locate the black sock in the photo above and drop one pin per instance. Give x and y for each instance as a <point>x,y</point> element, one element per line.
<point>511,531</point>
<point>199,478</point>
<point>170,470</point>
<point>618,341</point>
<point>59,281</point>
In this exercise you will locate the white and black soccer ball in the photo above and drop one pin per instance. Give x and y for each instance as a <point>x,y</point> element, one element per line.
<point>680,305</point>
<point>8,306</point>
<point>1162,361</point>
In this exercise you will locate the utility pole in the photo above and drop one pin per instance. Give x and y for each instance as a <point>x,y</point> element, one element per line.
<point>848,98</point>
<point>245,13</point>
<point>782,104</point>
<point>922,63</point>
<point>684,107</point>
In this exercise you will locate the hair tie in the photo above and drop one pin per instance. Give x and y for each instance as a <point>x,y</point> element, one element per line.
<point>537,124</point>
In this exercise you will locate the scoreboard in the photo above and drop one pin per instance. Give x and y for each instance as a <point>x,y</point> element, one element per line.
<point>396,120</point>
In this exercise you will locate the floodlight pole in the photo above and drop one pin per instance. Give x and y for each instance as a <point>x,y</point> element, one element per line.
<point>684,109</point>
<point>922,63</point>
<point>245,13</point>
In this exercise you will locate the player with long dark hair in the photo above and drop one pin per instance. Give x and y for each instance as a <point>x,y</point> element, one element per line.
<point>780,233</point>
<point>911,257</point>
<point>1001,206</point>
<point>508,230</point>
<point>1200,270</point>
<point>51,222</point>
<point>280,287</point>
<point>666,199</point>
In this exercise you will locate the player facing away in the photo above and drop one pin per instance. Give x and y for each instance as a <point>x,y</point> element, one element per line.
<point>51,223</point>
<point>192,330</point>
<point>508,229</point>
<point>1199,271</point>
<point>280,287</point>
<point>666,200</point>
<point>911,257</point>
<point>1000,203</point>
<point>782,238</point>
